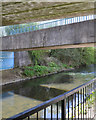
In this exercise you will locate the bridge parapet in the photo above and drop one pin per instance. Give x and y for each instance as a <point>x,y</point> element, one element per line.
<point>71,35</point>
<point>23,28</point>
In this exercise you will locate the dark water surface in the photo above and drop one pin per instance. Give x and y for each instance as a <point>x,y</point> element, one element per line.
<point>27,94</point>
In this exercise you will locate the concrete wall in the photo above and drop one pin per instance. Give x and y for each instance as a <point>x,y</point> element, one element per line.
<point>70,34</point>
<point>21,59</point>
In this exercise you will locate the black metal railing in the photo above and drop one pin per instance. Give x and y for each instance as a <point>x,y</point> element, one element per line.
<point>79,103</point>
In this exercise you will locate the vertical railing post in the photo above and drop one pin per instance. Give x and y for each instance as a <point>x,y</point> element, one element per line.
<point>51,112</point>
<point>75,106</point>
<point>78,105</point>
<point>95,99</point>
<point>88,102</point>
<point>91,98</point>
<point>28,118</point>
<point>63,109</point>
<point>85,102</point>
<point>72,107</point>
<point>37,115</point>
<point>81,103</point>
<point>45,114</point>
<point>68,108</point>
<point>57,110</point>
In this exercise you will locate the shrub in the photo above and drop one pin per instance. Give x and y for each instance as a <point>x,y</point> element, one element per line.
<point>52,64</point>
<point>29,73</point>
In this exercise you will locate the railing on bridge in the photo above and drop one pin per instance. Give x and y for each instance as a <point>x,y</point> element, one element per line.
<point>77,103</point>
<point>22,28</point>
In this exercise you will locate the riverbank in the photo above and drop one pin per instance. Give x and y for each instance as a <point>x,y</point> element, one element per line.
<point>16,75</point>
<point>48,62</point>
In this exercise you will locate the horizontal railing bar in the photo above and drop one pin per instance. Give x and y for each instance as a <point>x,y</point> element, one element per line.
<point>41,106</point>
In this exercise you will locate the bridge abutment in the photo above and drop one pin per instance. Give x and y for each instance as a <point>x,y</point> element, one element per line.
<point>21,58</point>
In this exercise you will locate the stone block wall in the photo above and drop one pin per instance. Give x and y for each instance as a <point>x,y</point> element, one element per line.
<point>21,58</point>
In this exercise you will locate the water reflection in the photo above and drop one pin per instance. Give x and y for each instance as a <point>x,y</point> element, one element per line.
<point>6,95</point>
<point>20,96</point>
<point>33,91</point>
<point>24,97</point>
<point>15,104</point>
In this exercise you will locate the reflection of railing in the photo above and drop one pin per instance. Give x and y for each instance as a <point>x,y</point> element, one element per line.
<point>22,28</point>
<point>82,101</point>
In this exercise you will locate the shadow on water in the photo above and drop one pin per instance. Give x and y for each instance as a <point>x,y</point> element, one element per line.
<point>32,88</point>
<point>65,79</point>
<point>35,92</point>
<point>56,78</point>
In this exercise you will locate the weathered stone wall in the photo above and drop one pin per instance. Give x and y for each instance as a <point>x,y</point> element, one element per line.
<point>21,59</point>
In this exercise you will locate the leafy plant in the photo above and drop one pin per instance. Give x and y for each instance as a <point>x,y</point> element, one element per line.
<point>28,73</point>
<point>52,64</point>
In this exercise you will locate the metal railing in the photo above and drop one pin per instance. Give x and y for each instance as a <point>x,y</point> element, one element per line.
<point>22,28</point>
<point>79,103</point>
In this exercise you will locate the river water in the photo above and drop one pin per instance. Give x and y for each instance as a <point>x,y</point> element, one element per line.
<point>21,96</point>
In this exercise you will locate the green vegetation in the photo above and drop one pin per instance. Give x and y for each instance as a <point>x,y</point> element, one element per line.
<point>36,70</point>
<point>50,61</point>
<point>40,70</point>
<point>75,57</point>
<point>91,99</point>
<point>37,56</point>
